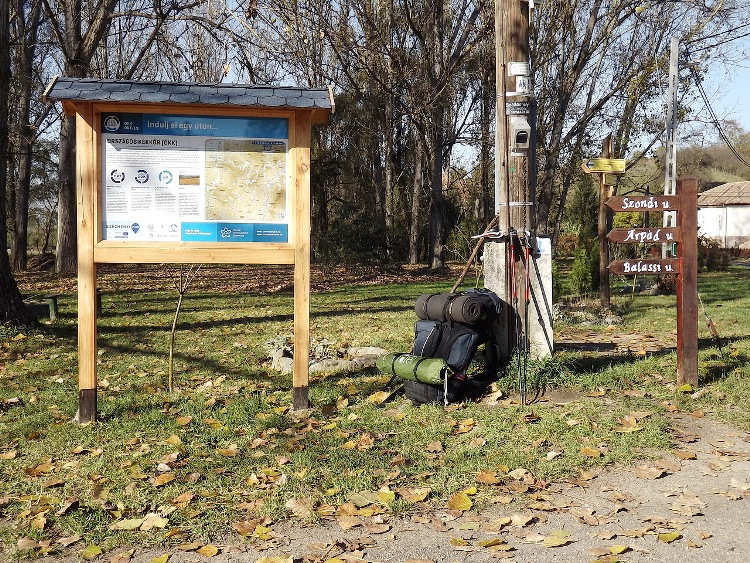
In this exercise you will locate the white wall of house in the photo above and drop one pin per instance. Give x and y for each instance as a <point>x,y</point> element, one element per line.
<point>729,225</point>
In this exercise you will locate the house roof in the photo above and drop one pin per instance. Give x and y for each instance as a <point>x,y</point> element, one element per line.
<point>731,193</point>
<point>67,89</point>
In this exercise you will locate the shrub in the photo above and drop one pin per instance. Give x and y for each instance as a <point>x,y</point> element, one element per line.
<point>711,257</point>
<point>584,273</point>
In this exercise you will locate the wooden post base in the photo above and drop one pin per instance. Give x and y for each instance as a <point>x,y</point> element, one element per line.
<point>86,405</point>
<point>300,398</point>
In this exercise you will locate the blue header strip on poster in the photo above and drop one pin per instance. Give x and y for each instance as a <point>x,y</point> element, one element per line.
<point>195,126</point>
<point>203,231</point>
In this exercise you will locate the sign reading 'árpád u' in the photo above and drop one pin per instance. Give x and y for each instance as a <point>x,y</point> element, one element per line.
<point>646,235</point>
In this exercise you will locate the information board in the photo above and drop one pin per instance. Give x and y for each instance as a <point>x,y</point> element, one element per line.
<point>194,178</point>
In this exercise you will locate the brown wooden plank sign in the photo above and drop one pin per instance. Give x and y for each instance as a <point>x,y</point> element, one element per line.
<point>643,203</point>
<point>644,235</point>
<point>640,267</point>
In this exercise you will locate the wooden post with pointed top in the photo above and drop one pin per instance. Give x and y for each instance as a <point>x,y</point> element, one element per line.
<point>604,294</point>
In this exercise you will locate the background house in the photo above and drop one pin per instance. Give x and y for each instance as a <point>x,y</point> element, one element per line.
<point>724,215</point>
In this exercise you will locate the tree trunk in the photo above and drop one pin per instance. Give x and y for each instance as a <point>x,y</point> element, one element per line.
<point>79,49</point>
<point>27,38</point>
<point>12,308</point>
<point>437,207</point>
<point>414,218</point>
<point>66,254</point>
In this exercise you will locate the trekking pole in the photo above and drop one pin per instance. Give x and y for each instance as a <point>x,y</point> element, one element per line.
<point>516,316</point>
<point>527,300</point>
<point>712,328</point>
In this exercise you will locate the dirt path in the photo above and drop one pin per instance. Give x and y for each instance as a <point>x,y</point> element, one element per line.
<point>691,505</point>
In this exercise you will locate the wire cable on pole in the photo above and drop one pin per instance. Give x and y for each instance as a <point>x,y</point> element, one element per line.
<point>714,119</point>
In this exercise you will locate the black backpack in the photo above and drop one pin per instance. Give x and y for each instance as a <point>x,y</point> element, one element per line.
<point>438,335</point>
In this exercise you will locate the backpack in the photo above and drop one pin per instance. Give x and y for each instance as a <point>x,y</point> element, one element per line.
<point>451,327</point>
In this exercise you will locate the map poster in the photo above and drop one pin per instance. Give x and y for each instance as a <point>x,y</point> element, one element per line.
<point>194,178</point>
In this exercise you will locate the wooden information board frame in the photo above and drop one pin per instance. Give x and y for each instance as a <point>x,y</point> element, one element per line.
<point>300,107</point>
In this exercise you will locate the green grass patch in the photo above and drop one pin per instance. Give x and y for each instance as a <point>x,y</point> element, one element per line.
<point>225,447</point>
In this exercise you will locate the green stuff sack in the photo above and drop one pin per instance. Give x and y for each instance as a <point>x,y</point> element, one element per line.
<point>433,371</point>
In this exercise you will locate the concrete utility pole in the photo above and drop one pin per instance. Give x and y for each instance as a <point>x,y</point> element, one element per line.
<point>670,160</point>
<point>512,263</point>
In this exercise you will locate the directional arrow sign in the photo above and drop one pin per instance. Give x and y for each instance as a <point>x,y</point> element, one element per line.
<point>643,203</point>
<point>647,235</point>
<point>641,267</point>
<point>608,165</point>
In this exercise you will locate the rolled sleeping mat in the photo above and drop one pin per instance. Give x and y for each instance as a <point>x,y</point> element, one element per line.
<point>467,309</point>
<point>433,306</point>
<point>433,371</point>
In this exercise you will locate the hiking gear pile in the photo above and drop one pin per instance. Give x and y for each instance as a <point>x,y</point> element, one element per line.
<point>450,329</point>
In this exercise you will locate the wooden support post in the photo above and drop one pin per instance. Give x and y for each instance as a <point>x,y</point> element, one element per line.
<point>604,226</point>
<point>687,283</point>
<point>301,374</point>
<point>52,305</point>
<point>86,189</point>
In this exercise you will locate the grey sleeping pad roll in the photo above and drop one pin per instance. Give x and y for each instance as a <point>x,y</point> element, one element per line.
<point>466,308</point>
<point>433,371</point>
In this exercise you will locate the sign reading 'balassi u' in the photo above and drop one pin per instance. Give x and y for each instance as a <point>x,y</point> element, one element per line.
<point>634,267</point>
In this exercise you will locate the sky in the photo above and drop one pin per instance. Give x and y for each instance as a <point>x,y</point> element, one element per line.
<point>728,88</point>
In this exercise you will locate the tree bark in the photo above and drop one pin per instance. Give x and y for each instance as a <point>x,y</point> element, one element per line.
<point>27,33</point>
<point>437,200</point>
<point>78,49</point>
<point>415,215</point>
<point>12,308</point>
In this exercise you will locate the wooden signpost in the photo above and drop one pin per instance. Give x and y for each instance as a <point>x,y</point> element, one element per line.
<point>684,266</point>
<point>604,165</point>
<point>190,173</point>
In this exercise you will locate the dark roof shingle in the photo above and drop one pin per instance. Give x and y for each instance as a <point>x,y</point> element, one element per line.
<point>89,89</point>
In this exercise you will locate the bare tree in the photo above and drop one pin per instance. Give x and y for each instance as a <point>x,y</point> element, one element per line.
<point>597,70</point>
<point>25,26</point>
<point>12,308</point>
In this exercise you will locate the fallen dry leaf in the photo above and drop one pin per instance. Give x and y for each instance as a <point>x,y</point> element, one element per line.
<point>348,522</point>
<point>487,477</point>
<point>162,479</point>
<point>123,557</point>
<point>649,472</point>
<point>414,494</point>
<point>460,502</point>
<point>208,550</point>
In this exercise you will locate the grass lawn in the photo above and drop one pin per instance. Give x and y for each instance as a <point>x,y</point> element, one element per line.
<point>223,455</point>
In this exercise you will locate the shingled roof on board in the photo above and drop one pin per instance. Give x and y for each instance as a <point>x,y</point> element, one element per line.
<point>130,91</point>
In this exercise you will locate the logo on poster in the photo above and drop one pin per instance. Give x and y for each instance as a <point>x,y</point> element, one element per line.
<point>117,176</point>
<point>141,176</point>
<point>112,123</point>
<point>136,227</point>
<point>165,176</point>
